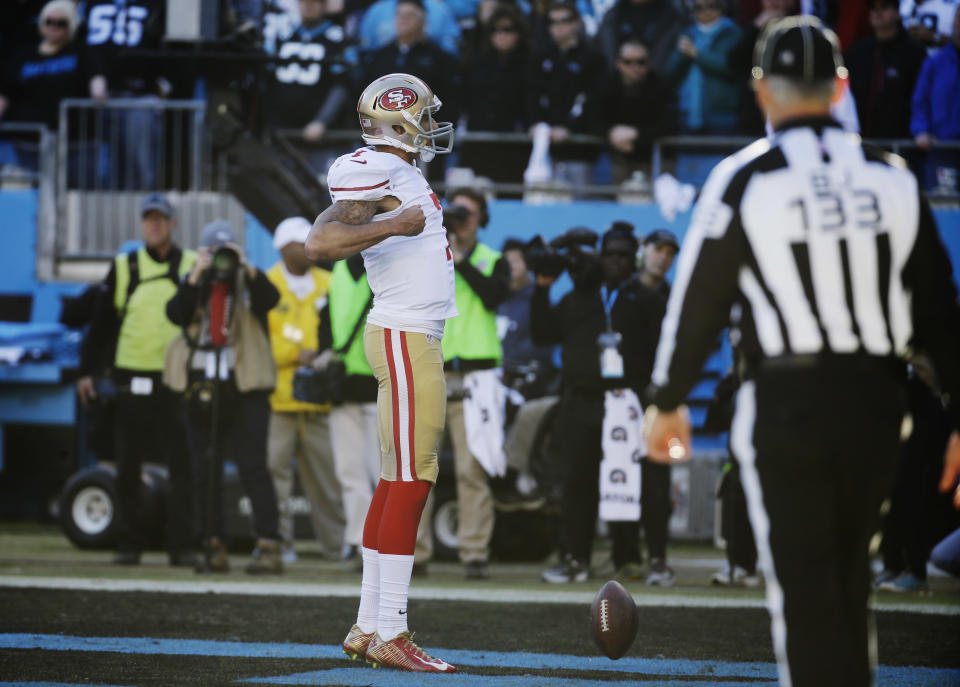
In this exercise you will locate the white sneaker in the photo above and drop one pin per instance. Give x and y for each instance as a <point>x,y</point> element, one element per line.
<point>289,555</point>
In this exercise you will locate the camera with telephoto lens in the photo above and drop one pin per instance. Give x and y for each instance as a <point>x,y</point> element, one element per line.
<point>320,386</point>
<point>454,216</point>
<point>224,265</point>
<point>573,251</point>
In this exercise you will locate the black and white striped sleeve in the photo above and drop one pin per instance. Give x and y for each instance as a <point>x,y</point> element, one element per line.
<point>928,277</point>
<point>704,289</point>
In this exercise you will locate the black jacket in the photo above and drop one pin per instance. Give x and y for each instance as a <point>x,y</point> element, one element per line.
<point>494,88</point>
<point>425,60</point>
<point>882,77</point>
<point>578,319</point>
<point>650,106</point>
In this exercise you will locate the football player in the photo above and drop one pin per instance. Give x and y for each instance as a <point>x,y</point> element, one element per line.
<point>384,207</point>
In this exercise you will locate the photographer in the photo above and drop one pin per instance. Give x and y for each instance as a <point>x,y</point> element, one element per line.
<point>300,431</point>
<point>470,345</point>
<point>607,326</point>
<point>223,362</point>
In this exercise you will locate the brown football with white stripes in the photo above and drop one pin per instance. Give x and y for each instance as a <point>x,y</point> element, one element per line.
<point>614,619</point>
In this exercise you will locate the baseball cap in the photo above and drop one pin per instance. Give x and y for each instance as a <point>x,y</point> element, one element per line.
<point>291,230</point>
<point>660,237</point>
<point>217,233</point>
<point>799,48</point>
<point>158,202</point>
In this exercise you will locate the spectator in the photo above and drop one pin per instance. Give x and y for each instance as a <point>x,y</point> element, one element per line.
<point>129,319</point>
<point>740,60</point>
<point>40,75</point>
<point>929,21</point>
<point>309,94</point>
<point>638,107</point>
<point>494,88</point>
<point>378,28</point>
<point>562,92</point>
<point>115,29</point>
<point>513,315</point>
<point>470,345</point>
<point>936,113</point>
<point>300,432</point>
<point>655,23</point>
<point>353,422</point>
<point>659,249</point>
<point>614,313</point>
<point>414,53</point>
<point>883,70</point>
<point>224,365</point>
<point>708,95</point>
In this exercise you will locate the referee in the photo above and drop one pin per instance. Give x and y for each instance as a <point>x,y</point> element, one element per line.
<point>825,261</point>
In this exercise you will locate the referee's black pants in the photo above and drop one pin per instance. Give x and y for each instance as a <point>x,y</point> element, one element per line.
<point>818,450</point>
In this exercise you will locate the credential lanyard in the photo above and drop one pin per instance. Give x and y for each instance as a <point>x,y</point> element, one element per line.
<point>608,300</point>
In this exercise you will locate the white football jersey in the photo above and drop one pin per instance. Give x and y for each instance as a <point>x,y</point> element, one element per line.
<point>411,277</point>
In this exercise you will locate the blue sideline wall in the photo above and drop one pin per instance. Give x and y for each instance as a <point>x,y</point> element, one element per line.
<point>509,218</point>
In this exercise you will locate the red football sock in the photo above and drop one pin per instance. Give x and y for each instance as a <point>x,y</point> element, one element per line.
<point>371,526</point>
<point>401,517</point>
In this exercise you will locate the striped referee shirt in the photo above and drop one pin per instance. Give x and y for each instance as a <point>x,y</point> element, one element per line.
<point>809,243</point>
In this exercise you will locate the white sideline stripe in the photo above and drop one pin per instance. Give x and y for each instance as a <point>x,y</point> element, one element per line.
<point>352,590</point>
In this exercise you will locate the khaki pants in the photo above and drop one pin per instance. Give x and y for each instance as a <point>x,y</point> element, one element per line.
<point>410,403</point>
<point>305,437</point>
<point>474,499</point>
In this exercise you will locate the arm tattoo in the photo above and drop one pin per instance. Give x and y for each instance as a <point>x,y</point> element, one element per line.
<point>350,211</point>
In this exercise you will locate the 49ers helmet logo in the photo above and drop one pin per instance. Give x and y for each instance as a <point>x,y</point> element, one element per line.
<point>397,99</point>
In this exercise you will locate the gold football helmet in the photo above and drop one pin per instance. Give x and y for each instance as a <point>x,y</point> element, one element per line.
<point>405,101</point>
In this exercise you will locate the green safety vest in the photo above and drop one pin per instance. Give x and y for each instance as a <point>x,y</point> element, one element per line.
<point>473,334</point>
<point>145,331</point>
<point>347,300</point>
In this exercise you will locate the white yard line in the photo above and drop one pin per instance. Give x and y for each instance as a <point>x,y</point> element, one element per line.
<point>419,591</point>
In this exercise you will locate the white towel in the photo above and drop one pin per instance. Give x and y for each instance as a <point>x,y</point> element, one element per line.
<point>484,408</point>
<point>623,447</point>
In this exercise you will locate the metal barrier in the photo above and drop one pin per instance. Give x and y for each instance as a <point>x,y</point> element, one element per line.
<point>33,165</point>
<point>111,155</point>
<point>627,192</point>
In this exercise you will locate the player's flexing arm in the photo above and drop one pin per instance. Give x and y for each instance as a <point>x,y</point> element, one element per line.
<point>346,227</point>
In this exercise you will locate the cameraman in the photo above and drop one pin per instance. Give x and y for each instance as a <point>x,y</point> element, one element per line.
<point>224,363</point>
<point>607,326</point>
<point>470,344</point>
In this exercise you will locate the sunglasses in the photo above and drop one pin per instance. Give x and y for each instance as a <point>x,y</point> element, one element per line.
<point>636,62</point>
<point>504,29</point>
<point>565,20</point>
<point>58,23</point>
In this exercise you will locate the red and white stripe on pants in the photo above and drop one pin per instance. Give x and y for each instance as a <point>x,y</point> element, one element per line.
<point>402,401</point>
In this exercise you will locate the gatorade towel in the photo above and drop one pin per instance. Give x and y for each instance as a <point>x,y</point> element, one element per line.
<point>218,313</point>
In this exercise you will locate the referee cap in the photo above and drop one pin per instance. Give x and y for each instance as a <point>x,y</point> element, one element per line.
<point>799,48</point>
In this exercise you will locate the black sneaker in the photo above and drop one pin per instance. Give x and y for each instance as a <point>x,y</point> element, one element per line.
<point>477,570</point>
<point>569,570</point>
<point>126,558</point>
<point>510,499</point>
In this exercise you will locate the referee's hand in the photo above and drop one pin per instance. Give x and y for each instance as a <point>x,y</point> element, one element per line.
<point>951,469</point>
<point>668,435</point>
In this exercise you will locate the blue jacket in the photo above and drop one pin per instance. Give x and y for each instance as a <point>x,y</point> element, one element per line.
<point>707,89</point>
<point>936,98</point>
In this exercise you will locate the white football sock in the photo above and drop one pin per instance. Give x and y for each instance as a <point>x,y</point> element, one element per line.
<point>395,572</point>
<point>369,591</point>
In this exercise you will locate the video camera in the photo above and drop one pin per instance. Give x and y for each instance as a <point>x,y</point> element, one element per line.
<point>454,216</point>
<point>573,251</point>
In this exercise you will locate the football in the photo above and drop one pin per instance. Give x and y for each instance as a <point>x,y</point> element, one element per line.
<point>614,619</point>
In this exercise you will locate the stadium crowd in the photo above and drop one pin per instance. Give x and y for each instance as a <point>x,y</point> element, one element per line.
<point>628,71</point>
<point>625,70</point>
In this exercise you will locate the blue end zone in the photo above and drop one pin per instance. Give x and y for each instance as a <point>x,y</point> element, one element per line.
<point>676,671</point>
